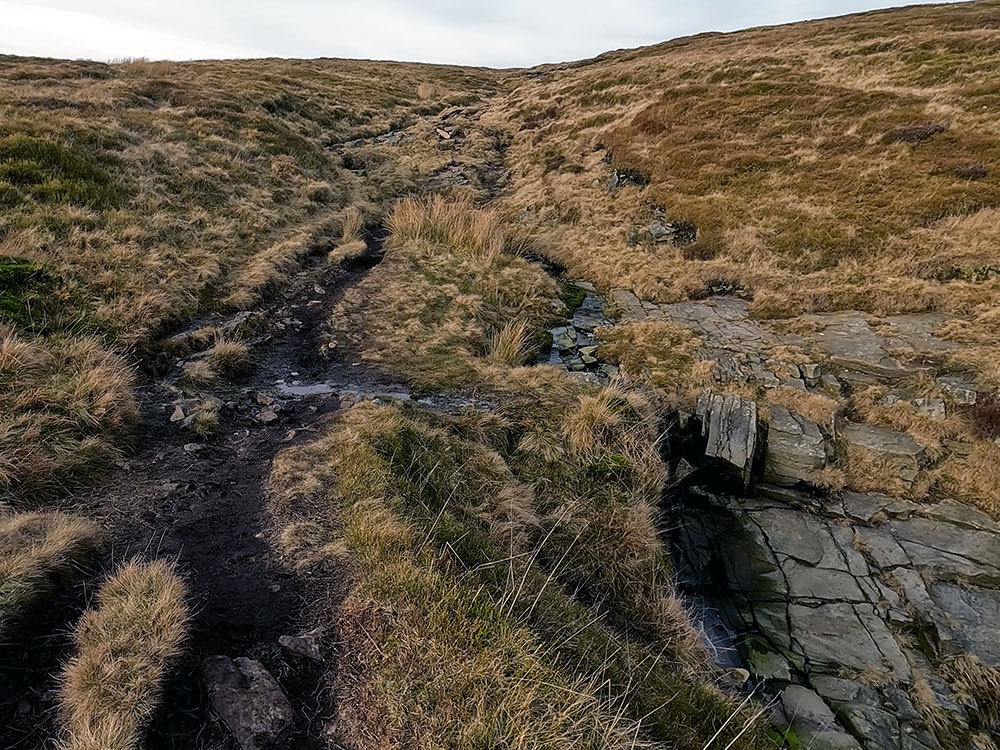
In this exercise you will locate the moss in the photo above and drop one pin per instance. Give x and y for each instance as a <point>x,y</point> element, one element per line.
<point>42,170</point>
<point>22,291</point>
<point>572,296</point>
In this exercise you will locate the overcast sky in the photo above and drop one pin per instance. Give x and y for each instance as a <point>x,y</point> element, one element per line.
<point>496,33</point>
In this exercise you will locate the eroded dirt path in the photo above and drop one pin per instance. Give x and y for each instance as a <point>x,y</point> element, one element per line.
<point>201,502</point>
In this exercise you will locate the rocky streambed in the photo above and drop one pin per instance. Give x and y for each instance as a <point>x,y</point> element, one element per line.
<point>863,620</point>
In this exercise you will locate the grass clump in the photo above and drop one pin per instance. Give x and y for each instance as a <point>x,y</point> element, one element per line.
<point>39,552</point>
<point>66,404</point>
<point>513,344</point>
<point>125,648</point>
<point>448,293</point>
<point>230,358</point>
<point>975,478</point>
<point>977,683</point>
<point>659,353</point>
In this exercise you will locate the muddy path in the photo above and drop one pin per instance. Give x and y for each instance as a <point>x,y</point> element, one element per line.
<point>201,502</point>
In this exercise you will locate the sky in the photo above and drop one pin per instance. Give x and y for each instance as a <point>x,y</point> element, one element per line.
<point>498,33</point>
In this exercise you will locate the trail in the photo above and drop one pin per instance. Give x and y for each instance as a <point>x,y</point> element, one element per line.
<point>202,503</point>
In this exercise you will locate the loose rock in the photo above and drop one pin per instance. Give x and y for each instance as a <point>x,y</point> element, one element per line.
<point>250,702</point>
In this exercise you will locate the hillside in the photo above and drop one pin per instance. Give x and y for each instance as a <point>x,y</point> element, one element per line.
<point>642,401</point>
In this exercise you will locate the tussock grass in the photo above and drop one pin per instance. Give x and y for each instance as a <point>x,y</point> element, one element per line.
<point>457,226</point>
<point>135,194</point>
<point>230,357</point>
<point>125,647</point>
<point>974,478</point>
<point>659,353</point>
<point>904,416</point>
<point>977,682</point>
<point>817,407</point>
<point>444,295</point>
<point>457,633</point>
<point>199,372</point>
<point>65,406</point>
<point>513,344</point>
<point>39,552</point>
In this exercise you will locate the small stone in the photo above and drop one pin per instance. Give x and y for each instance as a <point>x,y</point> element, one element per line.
<point>193,448</point>
<point>811,373</point>
<point>796,449</point>
<point>797,383</point>
<point>961,390</point>
<point>306,645</point>
<point>250,702</point>
<point>830,384</point>
<point>828,740</point>
<point>769,665</point>
<point>263,399</point>
<point>267,416</point>
<point>734,678</point>
<point>178,415</point>
<point>24,708</point>
<point>932,407</point>
<point>805,708</point>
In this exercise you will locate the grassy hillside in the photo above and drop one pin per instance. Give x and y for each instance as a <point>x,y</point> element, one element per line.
<point>508,583</point>
<point>845,163</point>
<point>135,195</point>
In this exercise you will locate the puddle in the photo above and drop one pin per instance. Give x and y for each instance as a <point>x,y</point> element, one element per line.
<point>296,390</point>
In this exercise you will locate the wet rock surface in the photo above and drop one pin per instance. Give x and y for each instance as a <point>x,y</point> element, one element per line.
<point>855,598</point>
<point>574,346</point>
<point>841,604</point>
<point>250,702</point>
<point>846,607</point>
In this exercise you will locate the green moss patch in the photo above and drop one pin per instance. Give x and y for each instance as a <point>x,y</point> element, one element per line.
<point>44,171</point>
<point>22,288</point>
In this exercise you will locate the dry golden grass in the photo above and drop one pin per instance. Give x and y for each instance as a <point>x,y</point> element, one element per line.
<point>904,416</point>
<point>124,650</point>
<point>513,344</point>
<point>658,353</point>
<point>973,679</point>
<point>199,372</point>
<point>130,191</point>
<point>65,406</point>
<point>975,478</point>
<point>445,293</point>
<point>230,357</point>
<point>38,552</point>
<point>820,409</point>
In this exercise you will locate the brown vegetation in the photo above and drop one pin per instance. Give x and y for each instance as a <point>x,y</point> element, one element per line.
<point>38,552</point>
<point>449,291</point>
<point>820,178</point>
<point>124,648</point>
